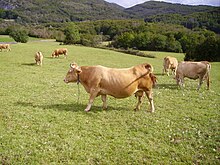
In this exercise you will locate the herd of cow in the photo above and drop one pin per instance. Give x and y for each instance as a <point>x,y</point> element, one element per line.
<point>122,83</point>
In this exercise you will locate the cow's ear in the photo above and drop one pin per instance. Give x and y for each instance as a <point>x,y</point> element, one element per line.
<point>149,67</point>
<point>78,70</point>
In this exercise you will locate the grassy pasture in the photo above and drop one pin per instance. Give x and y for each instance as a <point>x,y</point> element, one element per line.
<point>41,121</point>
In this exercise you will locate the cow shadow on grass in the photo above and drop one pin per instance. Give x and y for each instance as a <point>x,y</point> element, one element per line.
<point>29,64</point>
<point>167,86</point>
<point>158,74</point>
<point>74,107</point>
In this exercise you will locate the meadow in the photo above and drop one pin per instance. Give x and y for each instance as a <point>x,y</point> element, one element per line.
<point>42,119</point>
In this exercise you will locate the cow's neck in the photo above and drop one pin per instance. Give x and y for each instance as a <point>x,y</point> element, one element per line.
<point>78,79</point>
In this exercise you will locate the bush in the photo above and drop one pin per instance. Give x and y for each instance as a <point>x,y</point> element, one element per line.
<point>19,35</point>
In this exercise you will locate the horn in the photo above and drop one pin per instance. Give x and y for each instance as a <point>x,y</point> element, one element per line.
<point>73,65</point>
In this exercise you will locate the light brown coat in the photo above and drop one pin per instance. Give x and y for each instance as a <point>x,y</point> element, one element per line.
<point>39,58</point>
<point>193,70</point>
<point>5,46</point>
<point>119,83</point>
<point>170,63</point>
<point>59,52</point>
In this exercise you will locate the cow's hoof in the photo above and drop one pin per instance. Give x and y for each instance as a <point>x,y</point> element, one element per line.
<point>87,110</point>
<point>136,109</point>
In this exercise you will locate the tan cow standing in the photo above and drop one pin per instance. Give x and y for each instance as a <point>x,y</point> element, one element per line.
<point>193,70</point>
<point>59,52</point>
<point>5,46</point>
<point>170,63</point>
<point>39,58</point>
<point>119,83</point>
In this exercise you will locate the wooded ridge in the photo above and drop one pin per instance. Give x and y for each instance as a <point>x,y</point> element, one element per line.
<point>44,11</point>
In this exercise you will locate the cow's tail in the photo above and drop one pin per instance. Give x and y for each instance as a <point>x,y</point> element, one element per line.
<point>153,79</point>
<point>150,69</point>
<point>208,66</point>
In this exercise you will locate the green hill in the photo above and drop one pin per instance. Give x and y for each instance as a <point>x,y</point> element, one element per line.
<point>43,11</point>
<point>47,11</point>
<point>154,8</point>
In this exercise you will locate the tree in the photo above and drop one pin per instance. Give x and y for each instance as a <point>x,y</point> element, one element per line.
<point>142,40</point>
<point>208,50</point>
<point>158,42</point>
<point>71,33</point>
<point>125,40</point>
<point>172,45</point>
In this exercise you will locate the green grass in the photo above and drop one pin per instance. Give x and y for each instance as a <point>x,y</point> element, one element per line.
<point>41,121</point>
<point>6,38</point>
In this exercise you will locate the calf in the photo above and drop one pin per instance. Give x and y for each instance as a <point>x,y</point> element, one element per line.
<point>119,83</point>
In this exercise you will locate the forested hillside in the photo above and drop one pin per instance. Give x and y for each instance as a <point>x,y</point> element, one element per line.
<point>154,8</point>
<point>42,11</point>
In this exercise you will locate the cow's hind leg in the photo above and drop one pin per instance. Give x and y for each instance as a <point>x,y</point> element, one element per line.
<point>200,83</point>
<point>139,95</point>
<point>104,98</point>
<point>150,98</point>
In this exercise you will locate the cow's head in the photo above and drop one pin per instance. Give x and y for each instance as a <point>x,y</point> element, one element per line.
<point>73,73</point>
<point>53,54</point>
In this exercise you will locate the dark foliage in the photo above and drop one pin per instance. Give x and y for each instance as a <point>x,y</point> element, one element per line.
<point>19,35</point>
<point>46,11</point>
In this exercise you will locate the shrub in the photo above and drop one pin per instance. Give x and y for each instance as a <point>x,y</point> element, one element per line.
<point>19,35</point>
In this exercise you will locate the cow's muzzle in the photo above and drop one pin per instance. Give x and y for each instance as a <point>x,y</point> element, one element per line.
<point>66,81</point>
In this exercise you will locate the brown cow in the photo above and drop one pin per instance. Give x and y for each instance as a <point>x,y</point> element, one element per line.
<point>39,58</point>
<point>119,83</point>
<point>5,46</point>
<point>170,63</point>
<point>59,52</point>
<point>193,70</point>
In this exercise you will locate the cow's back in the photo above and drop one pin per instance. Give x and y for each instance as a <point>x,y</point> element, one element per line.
<point>192,70</point>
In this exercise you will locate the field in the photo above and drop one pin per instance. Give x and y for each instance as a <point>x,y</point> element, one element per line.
<point>42,119</point>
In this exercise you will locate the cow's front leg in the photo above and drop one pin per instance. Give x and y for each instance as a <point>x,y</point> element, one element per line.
<point>180,82</point>
<point>150,98</point>
<point>93,95</point>
<point>139,95</point>
<point>104,98</point>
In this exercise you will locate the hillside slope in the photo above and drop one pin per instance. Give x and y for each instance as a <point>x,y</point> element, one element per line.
<point>62,11</point>
<point>154,8</point>
<point>49,11</point>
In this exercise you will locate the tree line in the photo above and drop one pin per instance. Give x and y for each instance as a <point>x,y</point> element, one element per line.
<point>197,44</point>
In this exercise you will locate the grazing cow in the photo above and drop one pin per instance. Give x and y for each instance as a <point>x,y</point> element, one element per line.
<point>193,70</point>
<point>39,58</point>
<point>170,63</point>
<point>119,83</point>
<point>59,52</point>
<point>5,46</point>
